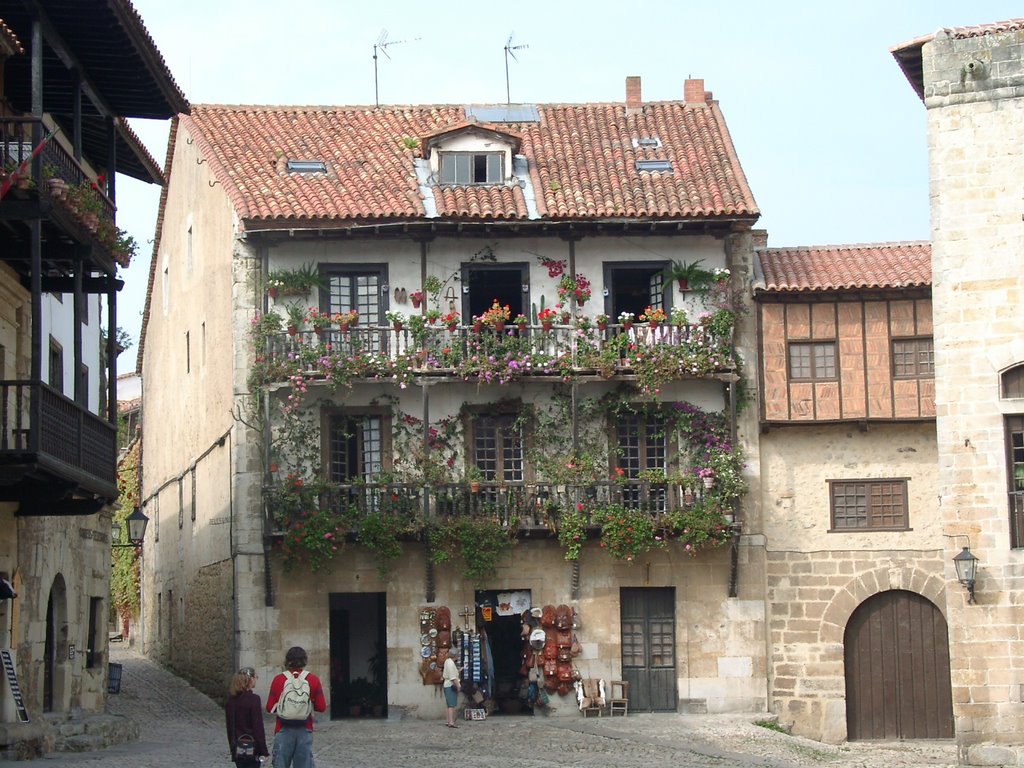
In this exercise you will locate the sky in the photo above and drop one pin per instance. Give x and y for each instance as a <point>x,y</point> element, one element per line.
<point>828,131</point>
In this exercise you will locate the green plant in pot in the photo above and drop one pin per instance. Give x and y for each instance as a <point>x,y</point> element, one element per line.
<point>689,274</point>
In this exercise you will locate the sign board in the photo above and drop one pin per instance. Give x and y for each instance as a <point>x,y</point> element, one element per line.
<point>12,680</point>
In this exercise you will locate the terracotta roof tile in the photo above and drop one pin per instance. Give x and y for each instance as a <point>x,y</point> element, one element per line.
<point>480,202</point>
<point>8,37</point>
<point>839,267</point>
<point>581,163</point>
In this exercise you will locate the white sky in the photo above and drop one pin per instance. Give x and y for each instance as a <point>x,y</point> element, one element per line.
<point>828,130</point>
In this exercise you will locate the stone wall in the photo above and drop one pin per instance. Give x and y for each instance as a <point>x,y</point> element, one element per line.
<point>973,92</point>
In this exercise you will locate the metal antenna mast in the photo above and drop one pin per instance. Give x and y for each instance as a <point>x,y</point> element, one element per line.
<point>510,51</point>
<point>382,45</point>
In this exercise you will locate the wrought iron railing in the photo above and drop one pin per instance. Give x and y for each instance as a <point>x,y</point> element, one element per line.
<point>37,421</point>
<point>526,505</point>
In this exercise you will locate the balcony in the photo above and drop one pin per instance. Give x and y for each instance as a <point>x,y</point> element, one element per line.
<point>55,456</point>
<point>650,355</point>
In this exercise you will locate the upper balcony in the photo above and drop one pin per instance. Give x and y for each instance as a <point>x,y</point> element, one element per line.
<point>64,194</point>
<point>651,353</point>
<point>55,456</point>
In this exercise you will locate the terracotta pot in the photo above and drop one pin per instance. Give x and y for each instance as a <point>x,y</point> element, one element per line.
<point>653,323</point>
<point>416,303</point>
<point>627,325</point>
<point>272,292</point>
<point>474,487</point>
<point>397,325</point>
<point>546,325</point>
<point>478,326</point>
<point>453,327</point>
<point>292,330</point>
<point>602,326</point>
<point>499,326</point>
<point>684,283</point>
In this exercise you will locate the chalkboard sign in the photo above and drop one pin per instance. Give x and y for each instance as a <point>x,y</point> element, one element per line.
<point>12,680</point>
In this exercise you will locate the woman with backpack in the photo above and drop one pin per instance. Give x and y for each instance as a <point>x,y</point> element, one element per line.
<point>244,715</point>
<point>294,695</point>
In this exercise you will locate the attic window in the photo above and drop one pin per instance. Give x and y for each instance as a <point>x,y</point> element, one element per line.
<point>305,166</point>
<point>647,141</point>
<point>653,165</point>
<point>472,167</point>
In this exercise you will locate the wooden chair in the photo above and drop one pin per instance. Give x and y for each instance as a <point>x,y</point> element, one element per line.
<point>618,698</point>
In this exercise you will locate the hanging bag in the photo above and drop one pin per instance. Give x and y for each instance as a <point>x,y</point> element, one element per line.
<point>245,745</point>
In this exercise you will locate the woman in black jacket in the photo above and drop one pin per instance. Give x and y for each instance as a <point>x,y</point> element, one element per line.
<point>244,715</point>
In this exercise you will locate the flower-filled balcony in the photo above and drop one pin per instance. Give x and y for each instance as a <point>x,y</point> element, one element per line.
<point>314,521</point>
<point>337,350</point>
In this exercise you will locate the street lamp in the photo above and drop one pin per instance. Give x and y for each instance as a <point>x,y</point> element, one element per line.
<point>966,571</point>
<point>137,522</point>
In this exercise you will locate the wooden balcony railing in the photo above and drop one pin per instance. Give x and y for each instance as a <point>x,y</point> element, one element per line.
<point>40,425</point>
<point>385,353</point>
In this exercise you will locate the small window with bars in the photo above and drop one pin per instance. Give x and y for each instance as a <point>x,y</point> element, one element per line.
<point>812,360</point>
<point>913,358</point>
<point>866,505</point>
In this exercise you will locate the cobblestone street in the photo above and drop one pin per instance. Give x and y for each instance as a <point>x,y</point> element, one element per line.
<point>181,727</point>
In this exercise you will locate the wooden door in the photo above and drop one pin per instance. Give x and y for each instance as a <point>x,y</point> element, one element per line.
<point>649,648</point>
<point>897,670</point>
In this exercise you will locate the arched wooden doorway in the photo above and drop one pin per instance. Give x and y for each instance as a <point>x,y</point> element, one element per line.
<point>896,650</point>
<point>55,647</point>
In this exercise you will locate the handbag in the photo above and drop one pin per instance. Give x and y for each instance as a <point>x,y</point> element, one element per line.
<point>245,750</point>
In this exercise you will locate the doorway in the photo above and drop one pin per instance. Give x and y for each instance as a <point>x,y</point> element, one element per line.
<point>359,661</point>
<point>634,286</point>
<point>649,647</point>
<point>896,658</point>
<point>55,646</point>
<point>489,282</point>
<point>500,621</point>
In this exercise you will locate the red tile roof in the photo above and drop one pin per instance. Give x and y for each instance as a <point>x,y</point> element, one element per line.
<point>581,164</point>
<point>844,267</point>
<point>8,37</point>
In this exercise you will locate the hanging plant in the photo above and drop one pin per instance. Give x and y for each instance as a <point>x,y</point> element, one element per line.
<point>572,532</point>
<point>380,534</point>
<point>479,543</point>
<point>626,533</point>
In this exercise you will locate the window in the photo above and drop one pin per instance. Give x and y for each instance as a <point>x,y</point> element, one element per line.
<point>913,358</point>
<point>1013,382</point>
<point>56,369</point>
<point>812,360</point>
<point>1015,477</point>
<point>634,286</point>
<point>305,166</point>
<point>496,444</point>
<point>641,446</point>
<point>357,288</point>
<point>470,168</point>
<point>653,165</point>
<point>355,446</point>
<point>865,505</point>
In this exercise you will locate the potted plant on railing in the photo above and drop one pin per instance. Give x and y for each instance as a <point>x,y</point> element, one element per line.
<point>474,476</point>
<point>478,323</point>
<point>521,322</point>
<point>653,316</point>
<point>496,316</point>
<point>346,320</point>
<point>57,187</point>
<point>451,321</point>
<point>679,318</point>
<point>689,274</point>
<point>296,317</point>
<point>626,319</point>
<point>432,316</point>
<point>602,322</point>
<point>319,321</point>
<point>397,319</point>
<point>546,318</point>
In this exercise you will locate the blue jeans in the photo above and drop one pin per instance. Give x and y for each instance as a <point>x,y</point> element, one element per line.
<point>293,748</point>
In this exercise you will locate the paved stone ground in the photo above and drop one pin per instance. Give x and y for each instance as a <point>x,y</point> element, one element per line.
<point>181,727</point>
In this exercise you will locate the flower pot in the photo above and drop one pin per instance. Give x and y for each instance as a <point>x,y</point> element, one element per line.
<point>478,326</point>
<point>397,325</point>
<point>708,482</point>
<point>91,221</point>
<point>684,283</point>
<point>653,323</point>
<point>416,302</point>
<point>474,487</point>
<point>499,326</point>
<point>546,325</point>
<point>602,326</point>
<point>272,292</point>
<point>627,324</point>
<point>453,327</point>
<point>687,497</point>
<point>292,330</point>
<point>58,188</point>
<point>521,326</point>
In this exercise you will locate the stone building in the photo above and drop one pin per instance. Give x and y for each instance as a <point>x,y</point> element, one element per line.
<point>853,549</point>
<point>63,97</point>
<point>971,81</point>
<point>359,444</point>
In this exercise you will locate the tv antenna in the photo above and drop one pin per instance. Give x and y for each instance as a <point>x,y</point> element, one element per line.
<point>382,46</point>
<point>510,50</point>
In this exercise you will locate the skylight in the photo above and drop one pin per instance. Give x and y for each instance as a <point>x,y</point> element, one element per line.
<point>653,165</point>
<point>305,166</point>
<point>647,141</point>
<point>507,113</point>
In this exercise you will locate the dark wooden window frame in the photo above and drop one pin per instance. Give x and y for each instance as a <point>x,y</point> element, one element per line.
<point>512,409</point>
<point>327,419</point>
<point>917,344</point>
<point>873,511</point>
<point>446,159</point>
<point>1014,446</point>
<point>1011,383</point>
<point>811,343</point>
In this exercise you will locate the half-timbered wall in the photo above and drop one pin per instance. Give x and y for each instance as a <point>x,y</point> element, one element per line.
<point>861,383</point>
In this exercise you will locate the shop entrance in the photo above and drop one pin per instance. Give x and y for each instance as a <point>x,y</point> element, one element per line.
<point>359,661</point>
<point>499,620</point>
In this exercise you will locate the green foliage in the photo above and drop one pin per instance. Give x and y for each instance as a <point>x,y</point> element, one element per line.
<point>701,526</point>
<point>380,534</point>
<point>479,543</point>
<point>691,271</point>
<point>124,561</point>
<point>626,533</point>
<point>296,282</point>
<point>572,532</point>
<point>313,533</point>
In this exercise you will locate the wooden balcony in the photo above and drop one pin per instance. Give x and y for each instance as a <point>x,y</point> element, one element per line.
<point>651,355</point>
<point>56,457</point>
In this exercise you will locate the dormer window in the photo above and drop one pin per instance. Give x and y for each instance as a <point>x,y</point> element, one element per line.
<point>472,167</point>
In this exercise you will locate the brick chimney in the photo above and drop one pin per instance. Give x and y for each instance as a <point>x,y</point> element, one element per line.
<point>634,104</point>
<point>693,91</point>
